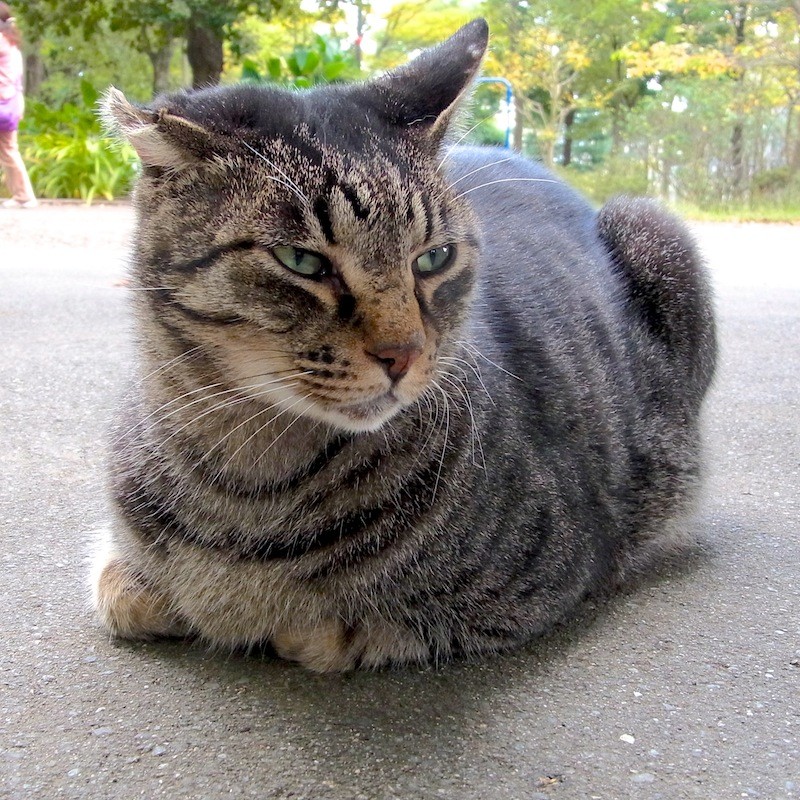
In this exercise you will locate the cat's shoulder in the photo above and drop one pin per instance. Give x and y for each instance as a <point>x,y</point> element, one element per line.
<point>492,174</point>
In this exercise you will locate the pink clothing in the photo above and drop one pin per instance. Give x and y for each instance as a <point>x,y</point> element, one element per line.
<point>17,178</point>
<point>10,69</point>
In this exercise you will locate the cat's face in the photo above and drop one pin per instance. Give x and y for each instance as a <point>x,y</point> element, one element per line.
<point>310,243</point>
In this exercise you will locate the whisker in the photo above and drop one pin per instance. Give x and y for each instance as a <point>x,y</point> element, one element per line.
<point>193,352</point>
<point>446,438</point>
<point>200,399</point>
<point>506,180</point>
<point>461,139</point>
<point>151,288</point>
<point>226,403</point>
<point>489,361</point>
<point>255,432</point>
<point>287,181</point>
<point>478,169</point>
<point>473,367</point>
<point>474,431</point>
<point>292,422</point>
<point>430,398</point>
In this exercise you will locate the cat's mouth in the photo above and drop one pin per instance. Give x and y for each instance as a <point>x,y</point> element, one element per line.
<point>376,407</point>
<point>369,415</point>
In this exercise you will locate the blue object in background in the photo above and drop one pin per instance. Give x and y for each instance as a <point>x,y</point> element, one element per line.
<point>509,100</point>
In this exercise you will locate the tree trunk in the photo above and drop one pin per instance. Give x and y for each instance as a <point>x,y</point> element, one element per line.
<point>737,135</point>
<point>161,60</point>
<point>34,71</point>
<point>361,21</point>
<point>795,157</point>
<point>518,125</point>
<point>204,51</point>
<point>566,154</point>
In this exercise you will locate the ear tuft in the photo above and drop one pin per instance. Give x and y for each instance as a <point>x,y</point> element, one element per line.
<point>160,139</point>
<point>119,117</point>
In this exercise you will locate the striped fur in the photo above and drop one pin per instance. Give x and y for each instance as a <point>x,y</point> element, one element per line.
<point>275,482</point>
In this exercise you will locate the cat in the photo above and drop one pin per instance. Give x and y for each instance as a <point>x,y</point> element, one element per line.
<point>396,400</point>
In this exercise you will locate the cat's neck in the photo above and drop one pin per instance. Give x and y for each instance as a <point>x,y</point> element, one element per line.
<point>251,445</point>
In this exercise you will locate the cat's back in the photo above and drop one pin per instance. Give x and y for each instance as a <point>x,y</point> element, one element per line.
<point>539,237</point>
<point>630,274</point>
<point>520,202</point>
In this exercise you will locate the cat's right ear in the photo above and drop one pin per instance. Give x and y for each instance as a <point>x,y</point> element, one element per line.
<point>424,95</point>
<point>160,139</point>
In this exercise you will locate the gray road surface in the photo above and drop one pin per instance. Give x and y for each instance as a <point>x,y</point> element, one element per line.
<point>688,687</point>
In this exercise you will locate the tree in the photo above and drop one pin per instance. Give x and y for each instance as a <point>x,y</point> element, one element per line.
<point>156,26</point>
<point>413,25</point>
<point>541,62</point>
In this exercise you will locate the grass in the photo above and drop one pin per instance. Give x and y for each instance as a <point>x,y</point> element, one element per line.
<point>767,213</point>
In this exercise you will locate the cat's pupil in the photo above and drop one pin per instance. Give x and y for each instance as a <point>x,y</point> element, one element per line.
<point>303,262</point>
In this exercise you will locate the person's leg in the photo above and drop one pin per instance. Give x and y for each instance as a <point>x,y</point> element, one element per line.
<point>17,179</point>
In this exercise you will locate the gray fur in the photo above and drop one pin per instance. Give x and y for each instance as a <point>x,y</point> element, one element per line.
<point>543,445</point>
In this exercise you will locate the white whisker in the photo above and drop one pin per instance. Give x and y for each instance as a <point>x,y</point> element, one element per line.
<point>478,169</point>
<point>446,438</point>
<point>173,361</point>
<point>489,361</point>
<point>505,180</point>
<point>461,139</point>
<point>287,181</point>
<point>475,438</point>
<point>259,430</point>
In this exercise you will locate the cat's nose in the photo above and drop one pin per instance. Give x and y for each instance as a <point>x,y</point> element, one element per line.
<point>396,359</point>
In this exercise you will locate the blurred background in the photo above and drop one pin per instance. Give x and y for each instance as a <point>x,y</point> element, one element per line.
<point>694,102</point>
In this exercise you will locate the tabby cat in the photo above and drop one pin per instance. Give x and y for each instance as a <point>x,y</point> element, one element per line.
<point>396,400</point>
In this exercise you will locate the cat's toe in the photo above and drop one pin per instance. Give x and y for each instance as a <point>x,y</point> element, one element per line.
<point>335,647</point>
<point>328,647</point>
<point>128,607</point>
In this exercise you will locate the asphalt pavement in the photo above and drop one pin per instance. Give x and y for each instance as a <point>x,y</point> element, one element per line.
<point>686,687</point>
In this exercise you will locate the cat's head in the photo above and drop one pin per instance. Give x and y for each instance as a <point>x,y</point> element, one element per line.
<point>309,240</point>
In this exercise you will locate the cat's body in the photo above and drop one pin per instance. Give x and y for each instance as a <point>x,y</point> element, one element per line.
<point>382,462</point>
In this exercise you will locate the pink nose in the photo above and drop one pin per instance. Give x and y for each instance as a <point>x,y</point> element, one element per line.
<point>396,358</point>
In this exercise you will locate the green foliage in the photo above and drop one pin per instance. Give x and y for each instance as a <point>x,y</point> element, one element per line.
<point>695,102</point>
<point>109,59</point>
<point>67,154</point>
<point>615,177</point>
<point>485,118</point>
<point>774,181</point>
<point>324,62</point>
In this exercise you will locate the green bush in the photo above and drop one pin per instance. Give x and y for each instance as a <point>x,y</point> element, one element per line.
<point>304,67</point>
<point>614,177</point>
<point>67,154</point>
<point>772,181</point>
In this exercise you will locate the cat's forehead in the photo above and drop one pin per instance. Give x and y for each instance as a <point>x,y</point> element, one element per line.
<point>323,122</point>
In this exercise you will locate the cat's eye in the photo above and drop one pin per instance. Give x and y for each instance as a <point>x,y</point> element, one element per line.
<point>303,262</point>
<point>435,259</point>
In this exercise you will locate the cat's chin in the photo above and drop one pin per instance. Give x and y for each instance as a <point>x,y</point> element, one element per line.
<point>365,417</point>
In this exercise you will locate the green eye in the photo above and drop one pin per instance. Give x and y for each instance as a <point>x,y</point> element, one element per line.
<point>303,262</point>
<point>435,259</point>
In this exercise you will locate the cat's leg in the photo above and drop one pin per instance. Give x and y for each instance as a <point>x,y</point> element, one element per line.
<point>125,604</point>
<point>332,646</point>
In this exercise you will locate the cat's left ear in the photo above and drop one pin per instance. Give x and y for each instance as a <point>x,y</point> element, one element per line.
<point>424,94</point>
<point>161,139</point>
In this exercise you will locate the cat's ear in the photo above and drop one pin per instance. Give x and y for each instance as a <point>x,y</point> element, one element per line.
<point>161,139</point>
<point>424,94</point>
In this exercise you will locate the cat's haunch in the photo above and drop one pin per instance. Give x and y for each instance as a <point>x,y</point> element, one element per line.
<point>396,400</point>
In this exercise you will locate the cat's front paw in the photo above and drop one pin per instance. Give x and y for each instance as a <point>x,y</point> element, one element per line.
<point>128,607</point>
<point>332,646</point>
